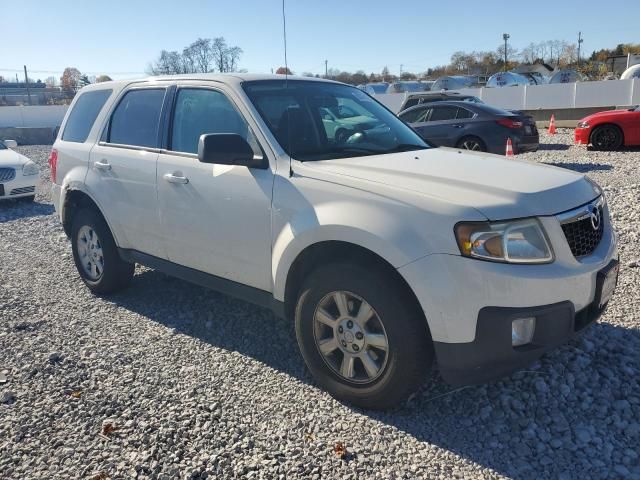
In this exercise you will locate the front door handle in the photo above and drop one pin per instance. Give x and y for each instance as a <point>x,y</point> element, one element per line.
<point>457,125</point>
<point>172,178</point>
<point>103,165</point>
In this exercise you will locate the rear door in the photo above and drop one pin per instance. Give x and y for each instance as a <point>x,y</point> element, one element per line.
<point>442,128</point>
<point>122,170</point>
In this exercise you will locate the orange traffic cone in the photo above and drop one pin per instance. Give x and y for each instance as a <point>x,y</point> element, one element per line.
<point>509,152</point>
<point>552,125</point>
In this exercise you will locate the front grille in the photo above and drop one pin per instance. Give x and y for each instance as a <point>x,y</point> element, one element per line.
<point>20,191</point>
<point>7,174</point>
<point>584,230</point>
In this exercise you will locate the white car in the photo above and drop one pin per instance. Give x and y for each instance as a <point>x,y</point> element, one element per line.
<point>18,174</point>
<point>387,254</point>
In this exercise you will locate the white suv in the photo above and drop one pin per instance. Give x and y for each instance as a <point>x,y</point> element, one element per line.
<point>387,253</point>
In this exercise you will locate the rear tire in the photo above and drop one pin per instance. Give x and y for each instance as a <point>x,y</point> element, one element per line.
<point>96,255</point>
<point>374,362</point>
<point>472,143</point>
<point>606,137</point>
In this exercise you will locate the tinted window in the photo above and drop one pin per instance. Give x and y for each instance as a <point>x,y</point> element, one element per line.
<point>200,111</point>
<point>84,113</point>
<point>135,120</point>
<point>443,113</point>
<point>414,116</point>
<point>464,113</point>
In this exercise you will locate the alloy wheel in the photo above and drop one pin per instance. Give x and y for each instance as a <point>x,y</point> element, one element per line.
<point>90,253</point>
<point>350,337</point>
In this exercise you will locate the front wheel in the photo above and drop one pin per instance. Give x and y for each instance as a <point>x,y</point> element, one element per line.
<point>362,336</point>
<point>472,143</point>
<point>96,255</point>
<point>606,137</point>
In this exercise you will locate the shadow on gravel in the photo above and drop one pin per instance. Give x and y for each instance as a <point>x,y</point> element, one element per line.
<point>574,413</point>
<point>553,146</point>
<point>582,167</point>
<point>15,209</point>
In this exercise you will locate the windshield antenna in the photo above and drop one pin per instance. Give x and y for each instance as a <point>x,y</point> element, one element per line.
<point>286,84</point>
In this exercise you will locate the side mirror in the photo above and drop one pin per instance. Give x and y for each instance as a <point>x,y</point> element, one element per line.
<point>10,143</point>
<point>227,149</point>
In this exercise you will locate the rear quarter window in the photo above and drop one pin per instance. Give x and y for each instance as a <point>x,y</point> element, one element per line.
<point>83,115</point>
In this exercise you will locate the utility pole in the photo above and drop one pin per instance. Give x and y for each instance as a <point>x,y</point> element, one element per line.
<point>580,40</point>
<point>400,71</point>
<point>26,81</point>
<point>326,69</point>
<point>505,37</point>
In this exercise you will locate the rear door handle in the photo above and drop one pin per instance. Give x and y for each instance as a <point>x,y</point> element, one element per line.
<point>103,165</point>
<point>457,125</point>
<point>172,178</point>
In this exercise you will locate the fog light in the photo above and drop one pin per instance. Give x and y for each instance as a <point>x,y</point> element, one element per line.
<point>522,331</point>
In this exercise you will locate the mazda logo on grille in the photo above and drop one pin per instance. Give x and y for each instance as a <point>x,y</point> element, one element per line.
<point>596,218</point>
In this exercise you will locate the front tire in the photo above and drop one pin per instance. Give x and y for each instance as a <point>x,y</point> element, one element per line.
<point>606,137</point>
<point>96,255</point>
<point>362,335</point>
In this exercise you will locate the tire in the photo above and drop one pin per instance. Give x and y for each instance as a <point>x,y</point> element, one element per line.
<point>468,142</point>
<point>401,369</point>
<point>606,137</point>
<point>98,249</point>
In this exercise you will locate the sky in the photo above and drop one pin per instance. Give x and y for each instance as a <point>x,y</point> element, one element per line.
<point>120,38</point>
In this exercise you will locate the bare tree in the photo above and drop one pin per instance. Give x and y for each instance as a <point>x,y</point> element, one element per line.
<point>202,56</point>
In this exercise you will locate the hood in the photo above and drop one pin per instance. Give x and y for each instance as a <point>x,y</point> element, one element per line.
<point>9,158</point>
<point>607,114</point>
<point>498,187</point>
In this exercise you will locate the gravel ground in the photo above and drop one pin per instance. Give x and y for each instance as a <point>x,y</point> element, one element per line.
<point>168,380</point>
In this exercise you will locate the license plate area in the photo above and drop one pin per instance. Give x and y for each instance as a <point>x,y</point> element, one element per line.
<point>528,130</point>
<point>606,282</point>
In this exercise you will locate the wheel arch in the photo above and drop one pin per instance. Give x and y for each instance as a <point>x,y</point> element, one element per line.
<point>330,251</point>
<point>75,199</point>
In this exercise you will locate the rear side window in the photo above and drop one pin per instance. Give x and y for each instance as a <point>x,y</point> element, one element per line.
<point>136,118</point>
<point>84,114</point>
<point>464,113</point>
<point>444,112</point>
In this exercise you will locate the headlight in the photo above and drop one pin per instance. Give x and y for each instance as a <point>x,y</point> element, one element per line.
<point>518,241</point>
<point>30,168</point>
<point>583,124</point>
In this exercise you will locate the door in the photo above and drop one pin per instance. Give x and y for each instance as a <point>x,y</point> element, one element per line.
<point>442,127</point>
<point>215,218</point>
<point>122,173</point>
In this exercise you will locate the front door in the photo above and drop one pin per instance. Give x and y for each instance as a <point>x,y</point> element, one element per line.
<point>215,218</point>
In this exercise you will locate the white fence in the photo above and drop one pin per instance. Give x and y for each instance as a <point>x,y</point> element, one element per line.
<point>606,93</point>
<point>35,116</point>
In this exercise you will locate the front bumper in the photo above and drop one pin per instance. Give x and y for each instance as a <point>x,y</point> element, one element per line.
<point>20,186</point>
<point>581,136</point>
<point>491,356</point>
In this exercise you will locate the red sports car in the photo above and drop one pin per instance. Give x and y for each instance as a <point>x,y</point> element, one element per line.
<point>610,130</point>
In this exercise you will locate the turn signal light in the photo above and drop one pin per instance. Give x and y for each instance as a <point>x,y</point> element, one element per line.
<point>53,164</point>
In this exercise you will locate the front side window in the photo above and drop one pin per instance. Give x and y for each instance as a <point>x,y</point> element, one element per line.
<point>200,111</point>
<point>136,118</point>
<point>320,120</point>
<point>84,114</point>
<point>464,113</point>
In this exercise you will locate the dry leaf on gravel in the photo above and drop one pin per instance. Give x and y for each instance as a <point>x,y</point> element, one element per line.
<point>108,428</point>
<point>340,450</point>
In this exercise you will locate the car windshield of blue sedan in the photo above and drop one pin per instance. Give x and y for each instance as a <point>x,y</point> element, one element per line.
<point>322,120</point>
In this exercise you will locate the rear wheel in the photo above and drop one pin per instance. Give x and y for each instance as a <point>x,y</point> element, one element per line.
<point>606,137</point>
<point>96,255</point>
<point>362,336</point>
<point>472,143</point>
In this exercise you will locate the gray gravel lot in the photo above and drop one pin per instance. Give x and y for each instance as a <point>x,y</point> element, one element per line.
<point>169,380</point>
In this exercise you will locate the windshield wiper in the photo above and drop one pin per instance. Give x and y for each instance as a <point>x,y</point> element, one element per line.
<point>405,147</point>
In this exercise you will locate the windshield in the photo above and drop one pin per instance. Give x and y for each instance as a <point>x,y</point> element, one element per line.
<point>322,121</point>
<point>2,146</point>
